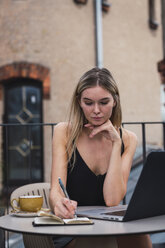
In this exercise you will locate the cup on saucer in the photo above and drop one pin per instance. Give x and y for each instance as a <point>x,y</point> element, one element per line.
<point>27,203</point>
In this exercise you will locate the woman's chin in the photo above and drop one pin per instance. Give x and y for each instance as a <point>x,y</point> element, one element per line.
<point>97,123</point>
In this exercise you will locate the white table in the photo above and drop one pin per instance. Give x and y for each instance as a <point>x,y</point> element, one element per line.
<point>100,228</point>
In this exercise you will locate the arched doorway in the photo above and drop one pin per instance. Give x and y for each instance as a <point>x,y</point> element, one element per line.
<point>23,144</point>
<point>23,88</point>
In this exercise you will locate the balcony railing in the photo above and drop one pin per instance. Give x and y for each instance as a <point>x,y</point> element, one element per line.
<point>24,151</point>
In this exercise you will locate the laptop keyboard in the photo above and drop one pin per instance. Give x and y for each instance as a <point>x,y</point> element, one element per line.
<point>117,213</point>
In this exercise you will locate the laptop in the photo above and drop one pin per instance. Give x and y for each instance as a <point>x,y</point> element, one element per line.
<point>148,198</point>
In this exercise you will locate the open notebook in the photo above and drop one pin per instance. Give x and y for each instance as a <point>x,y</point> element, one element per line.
<point>48,219</point>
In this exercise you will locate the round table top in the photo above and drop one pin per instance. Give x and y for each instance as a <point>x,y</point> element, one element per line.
<point>100,227</point>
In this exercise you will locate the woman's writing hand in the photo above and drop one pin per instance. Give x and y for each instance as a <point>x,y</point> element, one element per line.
<point>65,208</point>
<point>106,129</point>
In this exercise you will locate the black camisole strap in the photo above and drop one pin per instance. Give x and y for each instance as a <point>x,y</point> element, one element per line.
<point>122,144</point>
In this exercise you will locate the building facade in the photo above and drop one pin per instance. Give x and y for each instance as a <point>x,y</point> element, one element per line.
<point>53,42</point>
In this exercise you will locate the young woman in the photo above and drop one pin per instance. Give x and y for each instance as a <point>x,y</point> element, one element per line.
<point>92,153</point>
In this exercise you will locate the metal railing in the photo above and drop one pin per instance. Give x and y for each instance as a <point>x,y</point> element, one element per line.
<point>47,128</point>
<point>143,131</point>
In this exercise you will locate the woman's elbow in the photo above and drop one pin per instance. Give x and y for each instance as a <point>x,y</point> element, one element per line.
<point>114,200</point>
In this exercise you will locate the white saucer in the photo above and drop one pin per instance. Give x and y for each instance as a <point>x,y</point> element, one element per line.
<point>23,214</point>
<point>20,213</point>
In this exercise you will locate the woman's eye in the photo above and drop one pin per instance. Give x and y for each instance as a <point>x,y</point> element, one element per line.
<point>104,103</point>
<point>88,103</point>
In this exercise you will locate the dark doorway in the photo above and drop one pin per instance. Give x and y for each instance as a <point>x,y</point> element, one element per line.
<point>23,143</point>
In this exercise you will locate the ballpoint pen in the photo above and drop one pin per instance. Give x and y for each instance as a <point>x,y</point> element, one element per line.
<point>64,191</point>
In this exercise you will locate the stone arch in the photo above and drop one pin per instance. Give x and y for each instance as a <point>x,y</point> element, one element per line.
<point>26,70</point>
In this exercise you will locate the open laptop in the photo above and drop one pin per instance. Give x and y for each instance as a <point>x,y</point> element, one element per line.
<point>148,198</point>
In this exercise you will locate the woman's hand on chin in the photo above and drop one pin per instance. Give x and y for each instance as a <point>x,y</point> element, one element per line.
<point>106,129</point>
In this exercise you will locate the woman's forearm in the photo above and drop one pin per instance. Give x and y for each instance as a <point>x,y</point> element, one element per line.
<point>114,187</point>
<point>54,196</point>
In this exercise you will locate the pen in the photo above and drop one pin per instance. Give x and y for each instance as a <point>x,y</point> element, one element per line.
<point>64,190</point>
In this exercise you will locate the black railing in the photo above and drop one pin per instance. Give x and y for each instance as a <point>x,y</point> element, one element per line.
<point>6,183</point>
<point>143,131</point>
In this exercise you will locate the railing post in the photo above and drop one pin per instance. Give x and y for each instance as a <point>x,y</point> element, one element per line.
<point>164,135</point>
<point>2,232</point>
<point>144,142</point>
<point>52,129</point>
<point>7,178</point>
<point>29,131</point>
<point>124,199</point>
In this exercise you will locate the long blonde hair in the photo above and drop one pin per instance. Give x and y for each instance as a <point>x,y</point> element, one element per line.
<point>94,77</point>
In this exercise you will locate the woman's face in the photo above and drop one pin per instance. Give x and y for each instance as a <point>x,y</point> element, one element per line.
<point>97,105</point>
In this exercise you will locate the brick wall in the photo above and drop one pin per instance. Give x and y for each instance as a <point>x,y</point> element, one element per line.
<point>26,70</point>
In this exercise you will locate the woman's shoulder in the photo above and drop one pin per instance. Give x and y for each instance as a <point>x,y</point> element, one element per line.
<point>61,130</point>
<point>129,137</point>
<point>61,126</point>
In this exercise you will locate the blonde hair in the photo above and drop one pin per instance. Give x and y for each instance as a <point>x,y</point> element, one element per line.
<point>94,77</point>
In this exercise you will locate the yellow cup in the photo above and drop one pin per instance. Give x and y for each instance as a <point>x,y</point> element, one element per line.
<point>29,203</point>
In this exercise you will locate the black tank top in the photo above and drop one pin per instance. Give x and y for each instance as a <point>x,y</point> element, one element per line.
<point>83,185</point>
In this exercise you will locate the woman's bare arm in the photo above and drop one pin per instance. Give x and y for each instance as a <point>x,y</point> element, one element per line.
<point>59,204</point>
<point>115,184</point>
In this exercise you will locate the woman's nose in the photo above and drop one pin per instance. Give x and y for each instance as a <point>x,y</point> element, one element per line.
<point>96,109</point>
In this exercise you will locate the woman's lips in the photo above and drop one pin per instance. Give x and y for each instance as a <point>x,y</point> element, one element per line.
<point>97,118</point>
